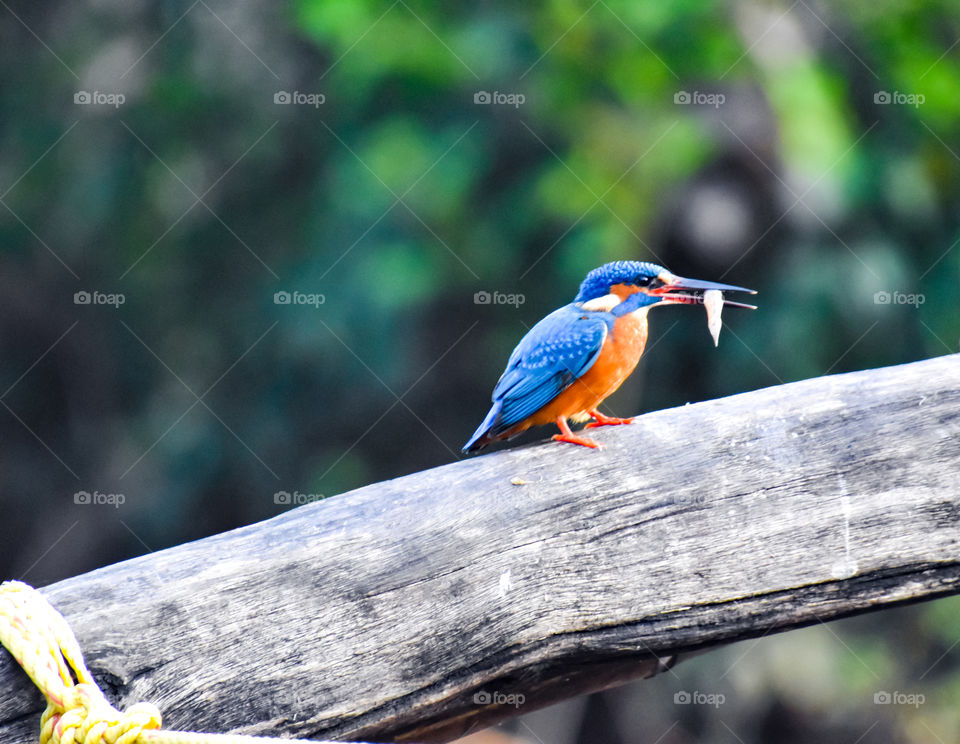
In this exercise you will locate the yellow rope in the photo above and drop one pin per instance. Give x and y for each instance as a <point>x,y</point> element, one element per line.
<point>77,712</point>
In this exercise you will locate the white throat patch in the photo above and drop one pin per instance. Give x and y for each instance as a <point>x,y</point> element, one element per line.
<point>603,304</point>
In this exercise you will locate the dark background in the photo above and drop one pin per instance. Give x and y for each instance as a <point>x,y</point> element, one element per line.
<point>197,197</point>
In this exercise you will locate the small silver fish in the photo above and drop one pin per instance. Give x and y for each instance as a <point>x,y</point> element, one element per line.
<point>713,301</point>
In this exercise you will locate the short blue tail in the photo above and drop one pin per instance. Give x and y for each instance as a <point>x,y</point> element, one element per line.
<point>480,437</point>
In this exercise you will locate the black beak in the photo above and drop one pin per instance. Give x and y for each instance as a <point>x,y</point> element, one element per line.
<point>690,292</point>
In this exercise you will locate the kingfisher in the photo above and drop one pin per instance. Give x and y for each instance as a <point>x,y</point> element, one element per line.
<point>578,355</point>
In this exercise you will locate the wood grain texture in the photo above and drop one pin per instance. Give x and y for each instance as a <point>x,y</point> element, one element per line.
<point>381,613</point>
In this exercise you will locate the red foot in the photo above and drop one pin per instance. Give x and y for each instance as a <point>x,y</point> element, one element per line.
<point>566,435</point>
<point>574,439</point>
<point>602,420</point>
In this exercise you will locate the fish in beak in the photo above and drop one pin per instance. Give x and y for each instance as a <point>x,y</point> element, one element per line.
<point>672,289</point>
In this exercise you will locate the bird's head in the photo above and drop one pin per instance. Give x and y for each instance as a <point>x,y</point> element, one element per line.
<point>624,286</point>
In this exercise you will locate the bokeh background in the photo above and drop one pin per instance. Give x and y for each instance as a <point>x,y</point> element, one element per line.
<point>184,162</point>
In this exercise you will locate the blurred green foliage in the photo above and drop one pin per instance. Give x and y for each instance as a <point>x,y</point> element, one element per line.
<point>398,198</point>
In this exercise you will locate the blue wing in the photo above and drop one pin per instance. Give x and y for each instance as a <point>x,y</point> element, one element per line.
<point>554,353</point>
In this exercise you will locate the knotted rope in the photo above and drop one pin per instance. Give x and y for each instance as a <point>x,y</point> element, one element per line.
<point>77,711</point>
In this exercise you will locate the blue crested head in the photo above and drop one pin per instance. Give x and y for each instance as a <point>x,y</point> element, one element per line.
<point>632,273</point>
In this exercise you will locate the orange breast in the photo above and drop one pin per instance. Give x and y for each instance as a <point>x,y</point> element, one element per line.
<point>618,358</point>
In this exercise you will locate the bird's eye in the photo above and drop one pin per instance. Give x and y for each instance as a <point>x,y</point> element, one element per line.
<point>643,280</point>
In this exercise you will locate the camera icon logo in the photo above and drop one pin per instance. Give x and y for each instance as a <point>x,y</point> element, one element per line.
<point>81,298</point>
<point>881,298</point>
<point>482,96</point>
<point>482,298</point>
<point>681,697</point>
<point>282,497</point>
<point>882,698</point>
<point>281,298</point>
<point>881,96</point>
<point>82,97</point>
<point>82,497</point>
<point>282,96</point>
<point>481,698</point>
<point>681,97</point>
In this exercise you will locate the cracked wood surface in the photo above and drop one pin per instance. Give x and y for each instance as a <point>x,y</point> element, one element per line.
<point>544,571</point>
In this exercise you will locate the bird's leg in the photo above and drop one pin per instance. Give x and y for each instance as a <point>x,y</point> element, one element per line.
<point>566,435</point>
<point>602,420</point>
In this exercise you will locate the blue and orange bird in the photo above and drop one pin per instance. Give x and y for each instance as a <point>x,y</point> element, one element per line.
<point>577,356</point>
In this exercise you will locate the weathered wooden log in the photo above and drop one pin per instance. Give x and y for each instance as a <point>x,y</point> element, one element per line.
<point>412,609</point>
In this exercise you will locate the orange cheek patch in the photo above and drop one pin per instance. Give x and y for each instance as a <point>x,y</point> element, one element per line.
<point>623,291</point>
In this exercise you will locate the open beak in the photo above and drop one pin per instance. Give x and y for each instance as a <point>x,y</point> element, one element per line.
<point>679,290</point>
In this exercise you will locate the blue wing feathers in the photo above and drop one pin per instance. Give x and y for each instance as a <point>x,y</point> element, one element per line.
<point>554,353</point>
